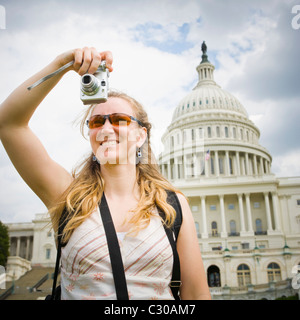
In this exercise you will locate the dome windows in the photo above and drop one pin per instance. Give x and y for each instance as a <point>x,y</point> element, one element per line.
<point>234,132</point>
<point>226,132</point>
<point>209,132</point>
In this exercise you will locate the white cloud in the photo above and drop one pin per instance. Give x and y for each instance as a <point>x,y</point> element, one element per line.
<point>284,164</point>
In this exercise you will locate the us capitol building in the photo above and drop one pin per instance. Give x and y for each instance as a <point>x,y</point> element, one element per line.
<point>247,219</point>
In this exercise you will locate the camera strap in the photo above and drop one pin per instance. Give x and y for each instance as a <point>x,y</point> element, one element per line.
<point>51,75</point>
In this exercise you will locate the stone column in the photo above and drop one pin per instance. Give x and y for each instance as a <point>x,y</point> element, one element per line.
<point>217,170</point>
<point>175,169</point>
<point>223,220</point>
<point>261,166</point>
<point>227,163</point>
<point>206,166</point>
<point>169,170</point>
<point>27,248</point>
<point>255,165</point>
<point>243,169</point>
<point>247,164</point>
<point>18,246</point>
<point>204,220</point>
<point>266,166</point>
<point>268,211</point>
<point>238,163</point>
<point>249,214</point>
<point>276,211</point>
<point>241,210</point>
<point>185,166</point>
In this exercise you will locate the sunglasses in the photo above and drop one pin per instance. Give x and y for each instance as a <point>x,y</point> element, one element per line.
<point>116,119</point>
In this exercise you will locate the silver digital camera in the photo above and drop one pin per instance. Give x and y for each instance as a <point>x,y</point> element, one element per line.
<point>94,88</point>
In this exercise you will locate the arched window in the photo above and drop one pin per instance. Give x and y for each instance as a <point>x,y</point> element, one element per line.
<point>213,276</point>
<point>243,275</point>
<point>274,272</point>
<point>214,229</point>
<point>226,132</point>
<point>218,131</point>
<point>209,132</point>
<point>234,132</point>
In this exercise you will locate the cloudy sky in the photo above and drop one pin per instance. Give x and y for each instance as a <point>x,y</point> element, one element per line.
<point>156,46</point>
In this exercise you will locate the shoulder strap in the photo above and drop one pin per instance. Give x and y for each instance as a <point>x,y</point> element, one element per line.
<point>114,251</point>
<point>55,295</point>
<point>175,284</point>
<point>173,200</point>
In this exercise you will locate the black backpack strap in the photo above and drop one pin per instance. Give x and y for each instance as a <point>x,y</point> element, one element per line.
<point>56,290</point>
<point>173,200</point>
<point>172,234</point>
<point>55,295</point>
<point>114,251</point>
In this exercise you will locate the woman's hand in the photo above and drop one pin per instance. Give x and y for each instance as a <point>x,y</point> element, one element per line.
<point>86,60</point>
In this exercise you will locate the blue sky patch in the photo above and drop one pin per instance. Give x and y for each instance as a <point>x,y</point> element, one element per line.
<point>169,38</point>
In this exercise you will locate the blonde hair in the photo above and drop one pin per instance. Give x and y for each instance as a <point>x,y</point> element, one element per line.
<point>84,193</point>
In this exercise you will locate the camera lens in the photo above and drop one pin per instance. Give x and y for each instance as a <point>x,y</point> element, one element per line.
<point>89,84</point>
<point>86,79</point>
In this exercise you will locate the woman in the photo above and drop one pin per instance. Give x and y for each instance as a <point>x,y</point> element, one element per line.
<point>119,133</point>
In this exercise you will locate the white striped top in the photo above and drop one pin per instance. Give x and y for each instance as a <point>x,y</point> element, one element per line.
<point>86,272</point>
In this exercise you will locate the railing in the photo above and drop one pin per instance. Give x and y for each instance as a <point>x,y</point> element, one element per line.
<point>234,234</point>
<point>216,290</point>
<point>8,292</point>
<point>39,283</point>
<point>260,233</point>
<point>263,287</point>
<point>214,235</point>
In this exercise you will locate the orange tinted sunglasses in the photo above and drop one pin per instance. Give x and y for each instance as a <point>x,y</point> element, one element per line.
<point>116,119</point>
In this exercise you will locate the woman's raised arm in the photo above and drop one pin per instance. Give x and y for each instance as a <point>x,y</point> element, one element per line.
<point>43,175</point>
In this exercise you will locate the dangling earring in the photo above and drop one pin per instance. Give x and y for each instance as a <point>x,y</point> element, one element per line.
<point>139,153</point>
<point>95,159</point>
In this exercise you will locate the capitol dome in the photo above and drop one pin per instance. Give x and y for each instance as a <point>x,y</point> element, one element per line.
<point>211,122</point>
<point>208,97</point>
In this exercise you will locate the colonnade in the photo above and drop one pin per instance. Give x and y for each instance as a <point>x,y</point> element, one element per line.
<point>220,163</point>
<point>244,198</point>
<point>21,246</point>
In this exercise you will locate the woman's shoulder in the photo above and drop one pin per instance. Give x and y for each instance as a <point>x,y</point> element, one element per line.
<point>182,199</point>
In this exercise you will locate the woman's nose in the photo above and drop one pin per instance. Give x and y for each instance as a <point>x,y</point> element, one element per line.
<point>106,123</point>
<point>105,131</point>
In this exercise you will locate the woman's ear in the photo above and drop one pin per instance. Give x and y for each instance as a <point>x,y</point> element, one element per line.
<point>141,136</point>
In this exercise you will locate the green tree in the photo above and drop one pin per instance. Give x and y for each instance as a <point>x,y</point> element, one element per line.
<point>4,244</point>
